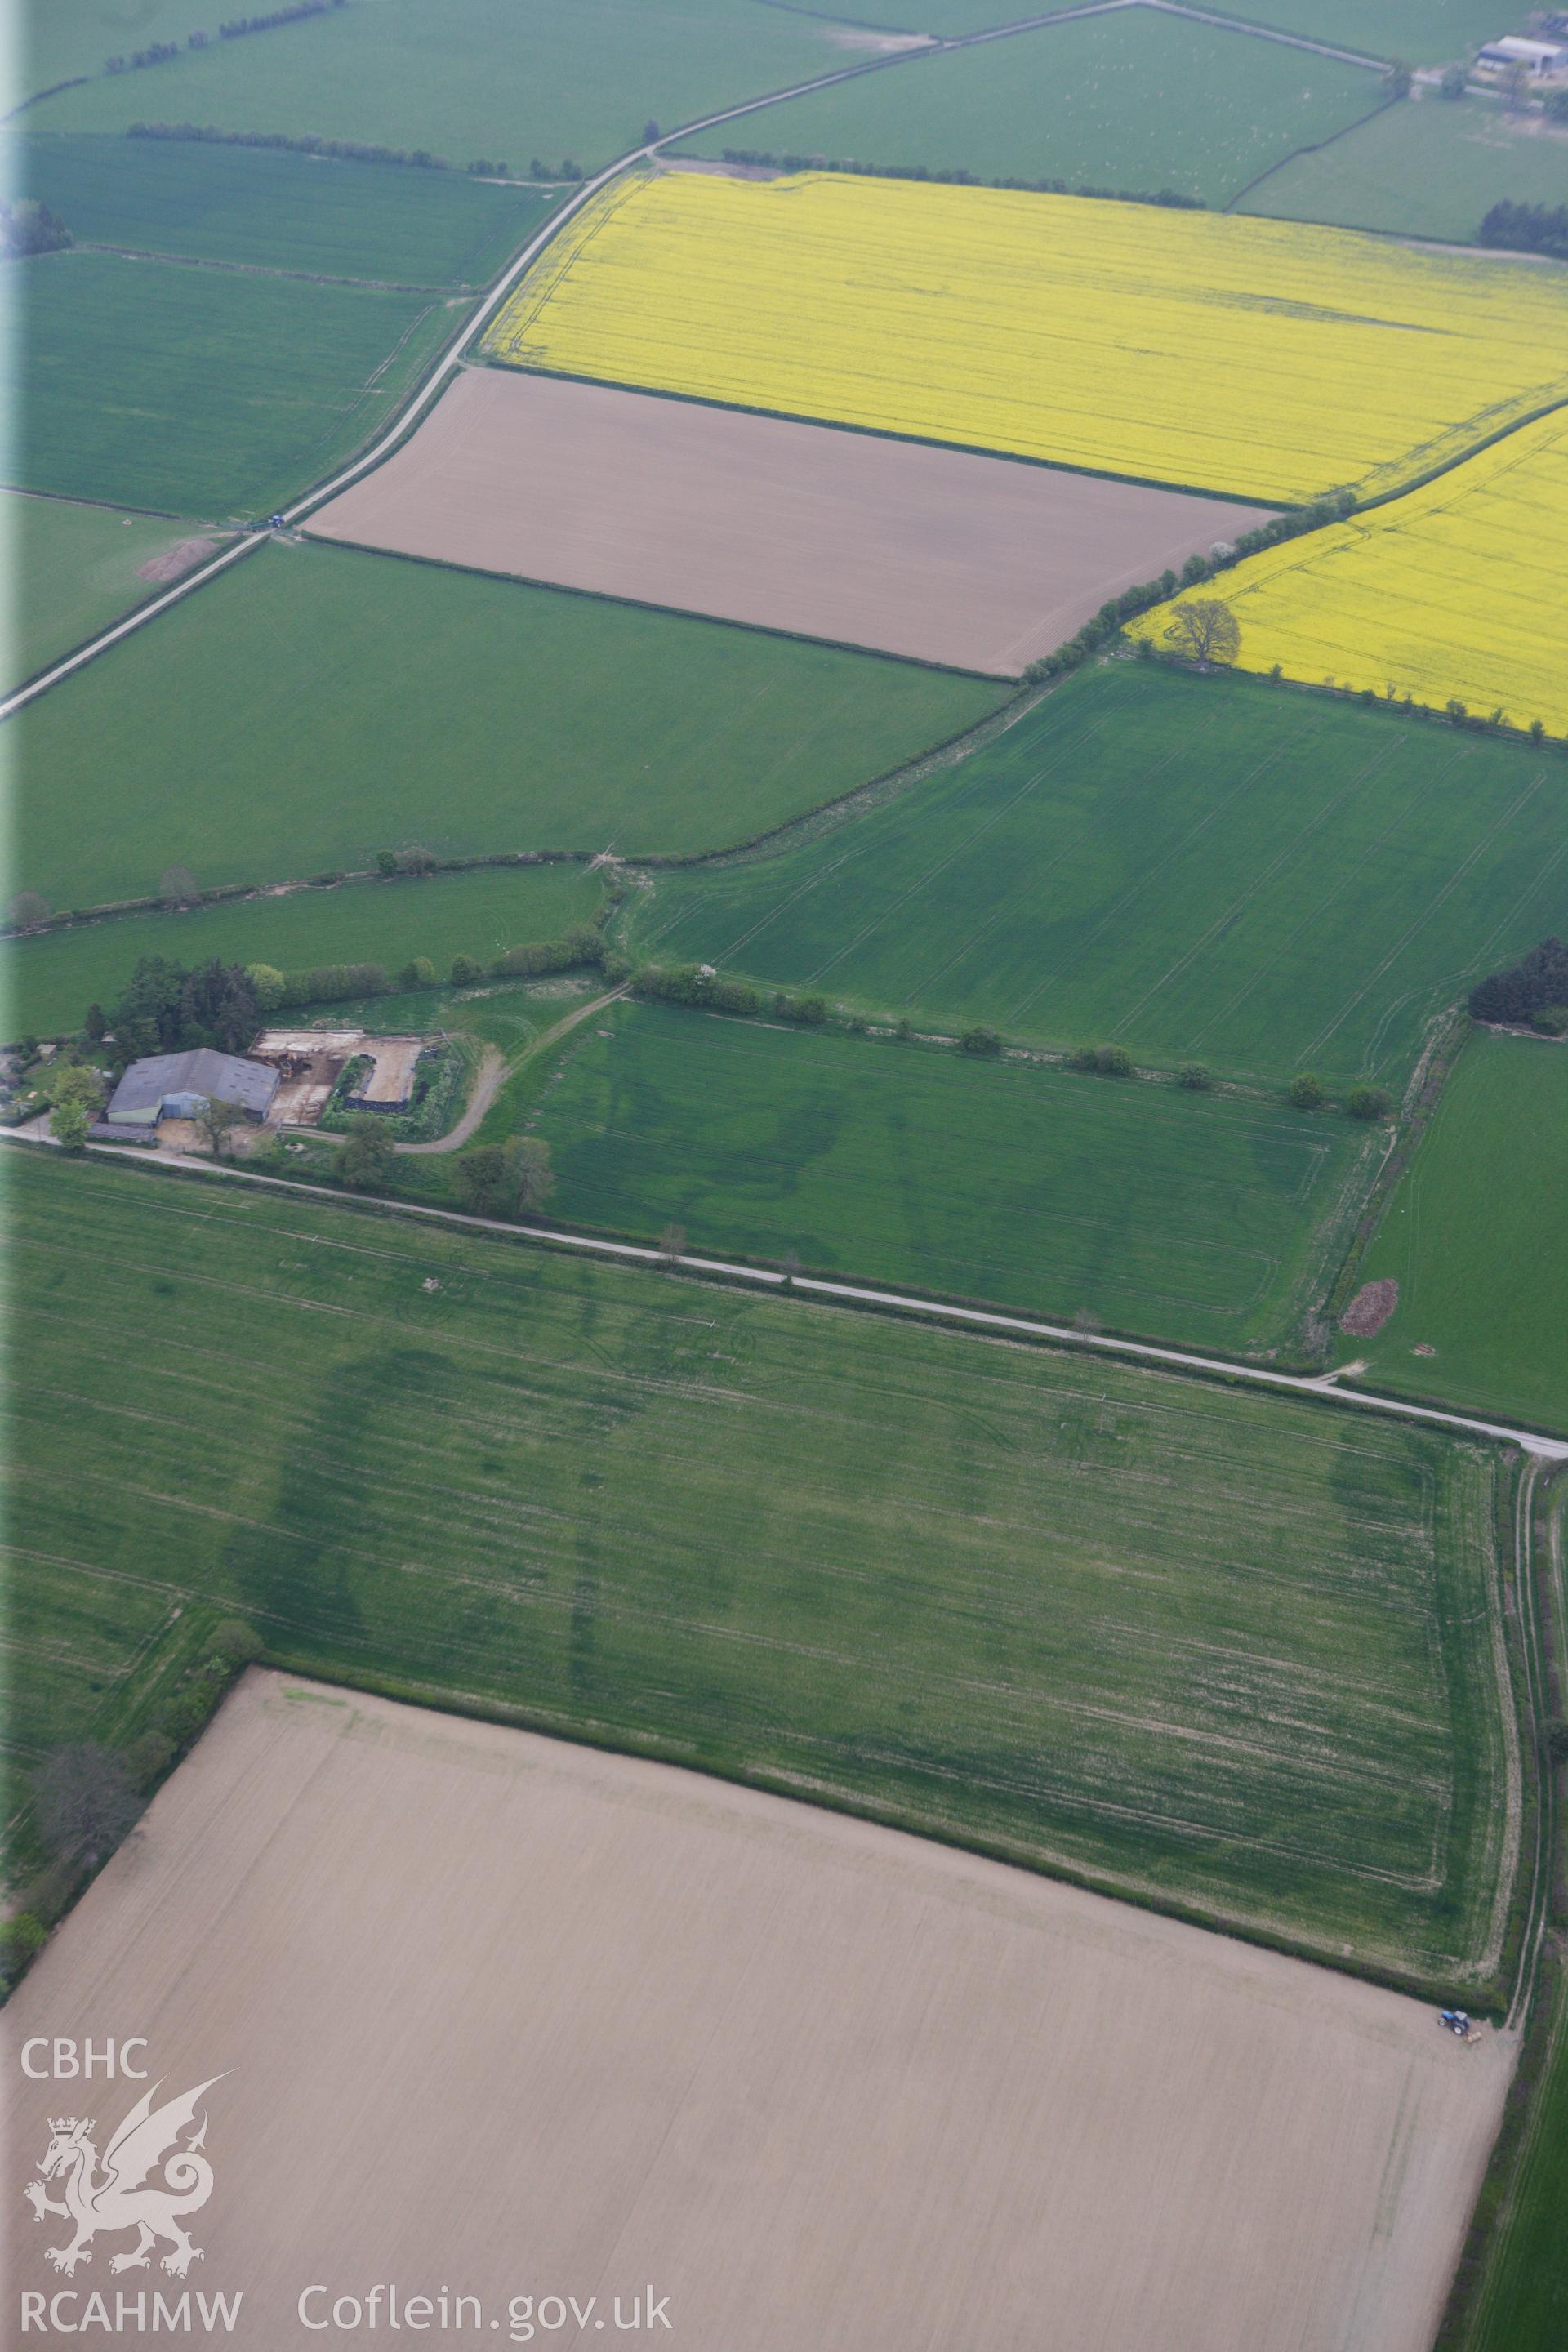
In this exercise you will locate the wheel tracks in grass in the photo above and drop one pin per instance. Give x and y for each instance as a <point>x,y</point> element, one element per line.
<point>1441,898</point>
<point>1232,914</point>
<point>1068,849</point>
<point>1368,1060</point>
<point>1162,865</point>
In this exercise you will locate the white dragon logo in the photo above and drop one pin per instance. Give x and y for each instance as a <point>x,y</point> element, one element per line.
<point>121,2199</point>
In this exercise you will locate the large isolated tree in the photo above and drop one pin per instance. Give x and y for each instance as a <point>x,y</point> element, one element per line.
<point>1206,631</point>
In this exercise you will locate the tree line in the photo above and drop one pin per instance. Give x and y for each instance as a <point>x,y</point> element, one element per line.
<point>28,228</point>
<point>1532,990</point>
<point>160,53</point>
<point>1527,228</point>
<point>339,151</point>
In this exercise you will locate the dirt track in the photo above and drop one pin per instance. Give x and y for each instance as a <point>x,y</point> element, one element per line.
<point>516,2017</point>
<point>944,555</point>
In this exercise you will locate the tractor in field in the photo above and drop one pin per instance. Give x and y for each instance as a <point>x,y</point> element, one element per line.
<point>1458,2022</point>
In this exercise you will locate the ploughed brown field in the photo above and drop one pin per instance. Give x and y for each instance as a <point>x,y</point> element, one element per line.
<point>500,2017</point>
<point>979,563</point>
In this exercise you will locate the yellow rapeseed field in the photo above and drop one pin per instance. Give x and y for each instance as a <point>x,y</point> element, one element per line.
<point>1265,359</point>
<point>1456,590</point>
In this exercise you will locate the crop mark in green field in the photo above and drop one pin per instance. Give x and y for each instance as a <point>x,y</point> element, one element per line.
<point>1201,868</point>
<point>1198,1646</point>
<point>1193,1217</point>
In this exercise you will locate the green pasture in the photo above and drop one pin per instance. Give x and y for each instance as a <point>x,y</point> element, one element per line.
<point>1135,100</point>
<point>1207,869</point>
<point>1193,1217</point>
<point>47,980</point>
<point>1199,1646</point>
<point>1416,30</point>
<point>209,392</point>
<point>315,705</point>
<point>1474,1237</point>
<point>270,209</point>
<point>1434,169</point>
<point>70,571</point>
<point>504,80</point>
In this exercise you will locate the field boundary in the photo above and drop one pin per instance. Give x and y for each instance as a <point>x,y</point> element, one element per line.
<point>671,612</point>
<point>881,1297</point>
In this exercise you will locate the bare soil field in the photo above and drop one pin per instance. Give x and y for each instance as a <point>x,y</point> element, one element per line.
<point>500,2017</point>
<point>177,560</point>
<point>976,561</point>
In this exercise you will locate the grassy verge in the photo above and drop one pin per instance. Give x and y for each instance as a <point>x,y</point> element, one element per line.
<point>1511,2293</point>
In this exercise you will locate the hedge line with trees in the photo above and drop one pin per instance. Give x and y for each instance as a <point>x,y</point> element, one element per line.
<point>86,1797</point>
<point>341,151</point>
<point>956,177</point>
<point>161,53</point>
<point>1113,615</point>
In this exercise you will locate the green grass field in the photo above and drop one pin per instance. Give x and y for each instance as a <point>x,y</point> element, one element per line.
<point>1429,170</point>
<point>47,981</point>
<point>1473,1235</point>
<point>274,210</point>
<point>508,78</point>
<point>1193,1217</point>
<point>71,570</point>
<point>208,392</point>
<point>1131,100</point>
<point>1200,869</point>
<point>316,705</point>
<point>1200,1645</point>
<point>1418,31</point>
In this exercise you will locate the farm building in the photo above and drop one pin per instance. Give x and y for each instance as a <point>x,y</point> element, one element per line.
<point>1539,58</point>
<point>173,1086</point>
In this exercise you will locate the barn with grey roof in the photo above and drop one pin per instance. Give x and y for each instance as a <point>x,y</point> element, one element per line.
<point>175,1086</point>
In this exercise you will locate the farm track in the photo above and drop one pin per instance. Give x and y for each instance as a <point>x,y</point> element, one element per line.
<point>495,1068</point>
<point>985,1322</point>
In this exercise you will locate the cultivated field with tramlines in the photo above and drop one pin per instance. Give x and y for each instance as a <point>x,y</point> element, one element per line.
<point>1212,1649</point>
<point>1076,333</point>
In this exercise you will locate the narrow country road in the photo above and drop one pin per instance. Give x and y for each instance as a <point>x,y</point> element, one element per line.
<point>985,1322</point>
